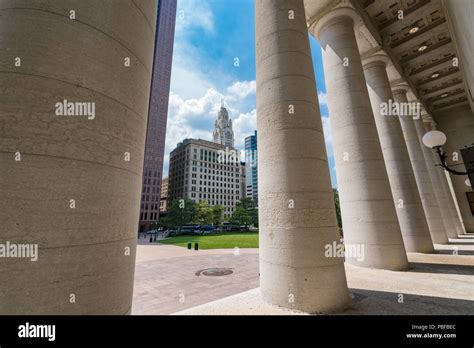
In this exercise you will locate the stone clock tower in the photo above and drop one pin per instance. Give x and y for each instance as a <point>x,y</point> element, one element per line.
<point>223,133</point>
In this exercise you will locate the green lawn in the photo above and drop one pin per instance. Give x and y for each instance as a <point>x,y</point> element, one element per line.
<point>217,241</point>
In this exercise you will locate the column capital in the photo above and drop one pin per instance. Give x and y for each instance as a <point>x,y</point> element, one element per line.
<point>342,10</point>
<point>377,58</point>
<point>399,88</point>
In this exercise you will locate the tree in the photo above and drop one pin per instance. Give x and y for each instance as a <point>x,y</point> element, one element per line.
<point>249,205</point>
<point>217,211</point>
<point>241,217</point>
<point>156,224</point>
<point>246,203</point>
<point>182,212</point>
<point>162,222</point>
<point>204,213</point>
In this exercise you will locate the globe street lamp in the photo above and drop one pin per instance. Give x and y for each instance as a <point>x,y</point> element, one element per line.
<point>434,140</point>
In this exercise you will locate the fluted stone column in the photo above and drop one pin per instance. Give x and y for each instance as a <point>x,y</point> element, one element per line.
<point>368,212</point>
<point>443,203</point>
<point>457,227</point>
<point>420,169</point>
<point>66,183</point>
<point>296,209</point>
<point>415,231</point>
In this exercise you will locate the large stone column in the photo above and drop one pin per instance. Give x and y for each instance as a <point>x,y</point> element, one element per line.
<point>457,227</point>
<point>458,125</point>
<point>67,184</point>
<point>415,231</point>
<point>296,208</point>
<point>443,203</point>
<point>420,169</point>
<point>368,213</point>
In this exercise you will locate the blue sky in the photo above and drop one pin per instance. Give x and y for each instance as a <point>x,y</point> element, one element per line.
<point>211,36</point>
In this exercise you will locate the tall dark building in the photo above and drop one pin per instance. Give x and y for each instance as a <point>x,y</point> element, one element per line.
<point>157,114</point>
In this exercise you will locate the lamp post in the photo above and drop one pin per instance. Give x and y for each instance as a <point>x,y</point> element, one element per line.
<point>435,140</point>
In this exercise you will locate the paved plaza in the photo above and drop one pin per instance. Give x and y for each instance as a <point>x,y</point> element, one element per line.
<point>166,282</point>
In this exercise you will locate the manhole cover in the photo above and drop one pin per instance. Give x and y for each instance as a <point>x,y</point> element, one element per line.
<point>214,272</point>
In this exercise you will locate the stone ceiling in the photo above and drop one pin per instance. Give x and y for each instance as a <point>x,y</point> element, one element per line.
<point>422,45</point>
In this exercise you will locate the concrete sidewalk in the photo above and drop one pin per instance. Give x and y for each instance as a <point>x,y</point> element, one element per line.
<point>430,287</point>
<point>166,282</point>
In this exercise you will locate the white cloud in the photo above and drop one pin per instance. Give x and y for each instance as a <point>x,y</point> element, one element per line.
<point>192,14</point>
<point>327,136</point>
<point>244,125</point>
<point>241,89</point>
<point>323,99</point>
<point>188,82</point>
<point>182,109</point>
<point>190,118</point>
<point>323,105</point>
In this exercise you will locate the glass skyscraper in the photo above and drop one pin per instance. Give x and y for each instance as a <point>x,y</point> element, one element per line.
<point>251,163</point>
